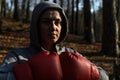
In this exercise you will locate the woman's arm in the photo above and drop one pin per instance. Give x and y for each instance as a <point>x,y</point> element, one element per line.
<point>103,74</point>
<point>6,67</point>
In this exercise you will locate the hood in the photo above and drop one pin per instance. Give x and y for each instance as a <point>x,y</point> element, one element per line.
<point>38,10</point>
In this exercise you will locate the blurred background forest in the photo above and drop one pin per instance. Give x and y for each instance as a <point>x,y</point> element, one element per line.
<point>93,29</point>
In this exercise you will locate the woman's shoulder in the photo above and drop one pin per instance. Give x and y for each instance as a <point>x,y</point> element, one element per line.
<point>23,53</point>
<point>16,56</point>
<point>66,49</point>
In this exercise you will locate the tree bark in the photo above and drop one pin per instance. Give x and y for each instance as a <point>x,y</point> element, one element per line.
<point>3,8</point>
<point>0,6</point>
<point>54,1</point>
<point>16,10</point>
<point>72,18</point>
<point>0,19</point>
<point>0,25</point>
<point>61,3</point>
<point>77,14</point>
<point>110,29</point>
<point>23,11</point>
<point>88,29</point>
<point>28,11</point>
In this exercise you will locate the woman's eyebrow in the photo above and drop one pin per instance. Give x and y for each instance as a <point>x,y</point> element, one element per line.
<point>46,18</point>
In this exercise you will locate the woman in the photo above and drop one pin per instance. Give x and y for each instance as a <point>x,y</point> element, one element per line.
<point>48,28</point>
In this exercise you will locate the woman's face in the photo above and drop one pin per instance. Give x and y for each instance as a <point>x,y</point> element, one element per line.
<point>50,26</point>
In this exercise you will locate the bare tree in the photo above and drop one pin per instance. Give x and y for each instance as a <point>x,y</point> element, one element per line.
<point>55,1</point>
<point>68,11</point>
<point>0,6</point>
<point>3,8</point>
<point>77,14</point>
<point>23,10</point>
<point>118,9</point>
<point>0,19</point>
<point>16,10</point>
<point>10,8</point>
<point>118,14</point>
<point>35,3</point>
<point>88,29</point>
<point>41,0</point>
<point>72,18</point>
<point>110,29</point>
<point>0,25</point>
<point>96,16</point>
<point>28,10</point>
<point>12,1</point>
<point>61,3</point>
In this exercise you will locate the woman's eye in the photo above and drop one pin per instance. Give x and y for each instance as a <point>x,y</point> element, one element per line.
<point>45,21</point>
<point>57,22</point>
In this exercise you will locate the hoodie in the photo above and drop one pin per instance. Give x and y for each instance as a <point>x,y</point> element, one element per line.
<point>39,9</point>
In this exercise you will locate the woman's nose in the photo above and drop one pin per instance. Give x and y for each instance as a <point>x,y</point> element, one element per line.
<point>52,25</point>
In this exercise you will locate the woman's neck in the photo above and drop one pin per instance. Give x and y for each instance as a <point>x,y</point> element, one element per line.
<point>48,47</point>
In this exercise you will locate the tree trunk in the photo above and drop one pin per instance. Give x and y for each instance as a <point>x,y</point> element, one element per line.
<point>3,8</point>
<point>28,11</point>
<point>110,29</point>
<point>72,18</point>
<point>12,2</point>
<point>77,12</point>
<point>0,7</point>
<point>16,10</point>
<point>61,3</point>
<point>88,29</point>
<point>118,15</point>
<point>0,19</point>
<point>23,11</point>
<point>118,8</point>
<point>41,0</point>
<point>0,25</point>
<point>10,9</point>
<point>35,3</point>
<point>54,1</point>
<point>68,12</point>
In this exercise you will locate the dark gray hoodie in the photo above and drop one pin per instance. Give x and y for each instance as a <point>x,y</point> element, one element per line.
<point>39,9</point>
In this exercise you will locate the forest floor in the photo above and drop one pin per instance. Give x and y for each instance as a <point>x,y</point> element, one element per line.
<point>16,35</point>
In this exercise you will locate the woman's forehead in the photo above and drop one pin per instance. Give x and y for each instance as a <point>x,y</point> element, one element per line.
<point>50,14</point>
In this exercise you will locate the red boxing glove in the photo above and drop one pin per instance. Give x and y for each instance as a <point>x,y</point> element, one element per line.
<point>76,67</point>
<point>23,72</point>
<point>43,66</point>
<point>46,66</point>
